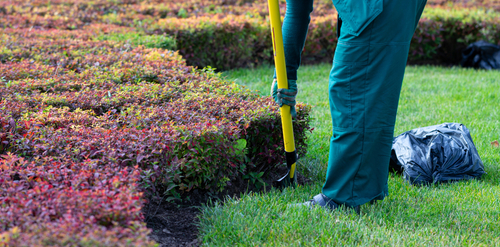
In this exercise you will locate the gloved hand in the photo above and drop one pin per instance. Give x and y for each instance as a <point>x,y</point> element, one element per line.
<point>285,96</point>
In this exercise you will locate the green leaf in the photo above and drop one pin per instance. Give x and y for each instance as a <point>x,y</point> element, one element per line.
<point>241,144</point>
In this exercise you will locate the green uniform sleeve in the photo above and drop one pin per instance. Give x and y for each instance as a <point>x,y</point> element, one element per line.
<point>295,26</point>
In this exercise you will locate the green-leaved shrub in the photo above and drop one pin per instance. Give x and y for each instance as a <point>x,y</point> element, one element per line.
<point>219,41</point>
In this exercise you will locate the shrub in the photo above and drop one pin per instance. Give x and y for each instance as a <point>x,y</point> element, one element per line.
<point>220,41</point>
<point>79,115</point>
<point>265,140</point>
<point>321,40</point>
<point>443,33</point>
<point>99,100</point>
<point>56,201</point>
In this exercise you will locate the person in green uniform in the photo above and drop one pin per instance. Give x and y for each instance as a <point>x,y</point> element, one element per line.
<point>364,87</point>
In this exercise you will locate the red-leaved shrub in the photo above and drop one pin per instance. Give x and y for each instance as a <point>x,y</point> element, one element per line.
<point>57,201</point>
<point>89,125</point>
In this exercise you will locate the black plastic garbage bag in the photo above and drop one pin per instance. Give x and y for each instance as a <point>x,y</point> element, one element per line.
<point>439,153</point>
<point>481,54</point>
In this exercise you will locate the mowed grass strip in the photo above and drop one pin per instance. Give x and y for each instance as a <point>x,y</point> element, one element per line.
<point>461,214</point>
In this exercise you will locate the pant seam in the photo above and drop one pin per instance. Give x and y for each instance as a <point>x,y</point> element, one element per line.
<point>353,198</point>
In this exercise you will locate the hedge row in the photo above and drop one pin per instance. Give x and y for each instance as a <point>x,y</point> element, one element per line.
<point>103,86</point>
<point>82,12</point>
<point>78,112</point>
<point>443,33</point>
<point>229,41</point>
<point>229,34</point>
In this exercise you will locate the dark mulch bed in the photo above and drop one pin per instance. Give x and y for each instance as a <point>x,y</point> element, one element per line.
<point>175,224</point>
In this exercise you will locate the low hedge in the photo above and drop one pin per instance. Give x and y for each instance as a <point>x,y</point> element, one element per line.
<point>84,91</point>
<point>106,122</point>
<point>229,41</point>
<point>221,41</point>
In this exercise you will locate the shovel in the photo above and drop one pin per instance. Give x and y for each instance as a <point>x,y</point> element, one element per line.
<point>290,179</point>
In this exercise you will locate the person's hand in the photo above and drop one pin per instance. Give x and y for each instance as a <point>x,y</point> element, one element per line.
<point>285,96</point>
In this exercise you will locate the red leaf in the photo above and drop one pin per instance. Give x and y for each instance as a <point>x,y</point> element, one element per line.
<point>495,144</point>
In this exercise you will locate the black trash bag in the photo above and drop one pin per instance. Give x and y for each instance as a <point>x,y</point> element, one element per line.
<point>434,154</point>
<point>481,54</point>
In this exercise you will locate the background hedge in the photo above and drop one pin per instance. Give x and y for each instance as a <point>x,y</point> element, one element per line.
<point>228,34</point>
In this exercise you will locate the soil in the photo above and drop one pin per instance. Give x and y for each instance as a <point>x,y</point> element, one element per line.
<point>175,223</point>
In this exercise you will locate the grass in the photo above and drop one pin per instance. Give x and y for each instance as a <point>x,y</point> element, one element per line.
<point>461,214</point>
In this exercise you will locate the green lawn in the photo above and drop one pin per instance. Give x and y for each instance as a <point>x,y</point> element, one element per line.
<point>463,213</point>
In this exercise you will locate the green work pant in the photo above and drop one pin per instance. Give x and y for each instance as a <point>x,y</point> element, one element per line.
<point>365,83</point>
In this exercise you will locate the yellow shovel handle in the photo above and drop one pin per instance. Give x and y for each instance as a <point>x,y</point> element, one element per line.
<point>279,62</point>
